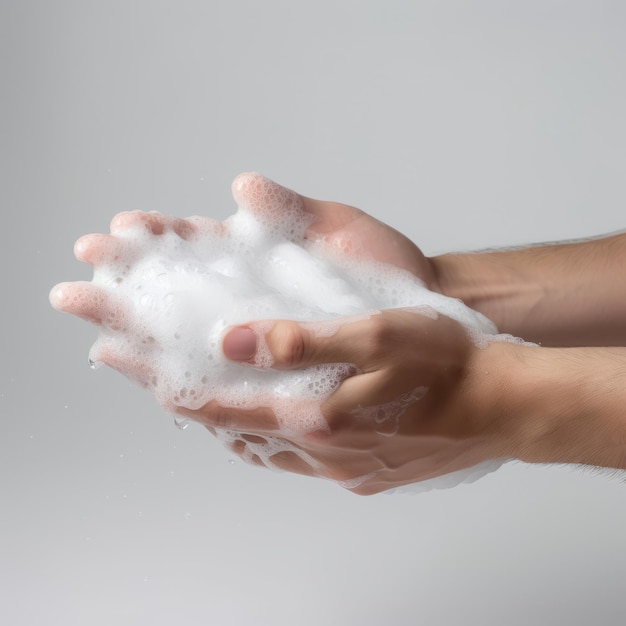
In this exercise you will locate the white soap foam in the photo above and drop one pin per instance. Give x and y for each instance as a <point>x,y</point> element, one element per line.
<point>170,300</point>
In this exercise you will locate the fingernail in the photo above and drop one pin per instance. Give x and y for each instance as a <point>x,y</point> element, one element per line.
<point>240,344</point>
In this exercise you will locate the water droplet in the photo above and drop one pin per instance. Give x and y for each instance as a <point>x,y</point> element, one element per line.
<point>94,365</point>
<point>181,423</point>
<point>231,461</point>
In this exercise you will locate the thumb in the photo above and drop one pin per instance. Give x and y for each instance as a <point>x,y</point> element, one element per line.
<point>278,344</point>
<point>287,344</point>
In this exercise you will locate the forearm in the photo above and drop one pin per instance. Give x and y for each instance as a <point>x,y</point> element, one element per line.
<point>556,405</point>
<point>557,295</point>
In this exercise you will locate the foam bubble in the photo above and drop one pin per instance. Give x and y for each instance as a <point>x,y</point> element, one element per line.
<point>386,417</point>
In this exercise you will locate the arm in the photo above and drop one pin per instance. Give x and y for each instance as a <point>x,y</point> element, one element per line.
<point>559,295</point>
<point>559,405</point>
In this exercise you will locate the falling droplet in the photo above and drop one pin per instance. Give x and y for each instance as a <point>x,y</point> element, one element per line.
<point>181,423</point>
<point>231,461</point>
<point>94,365</point>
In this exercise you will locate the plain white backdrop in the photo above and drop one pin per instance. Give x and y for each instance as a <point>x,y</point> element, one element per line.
<point>464,124</point>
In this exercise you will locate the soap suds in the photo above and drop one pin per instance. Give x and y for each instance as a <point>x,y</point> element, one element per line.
<point>165,291</point>
<point>386,417</point>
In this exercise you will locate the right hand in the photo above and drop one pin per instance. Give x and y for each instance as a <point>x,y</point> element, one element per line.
<point>418,406</point>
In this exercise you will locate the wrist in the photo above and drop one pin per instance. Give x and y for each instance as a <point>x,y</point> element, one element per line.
<point>554,405</point>
<point>493,283</point>
<point>494,394</point>
<point>568,294</point>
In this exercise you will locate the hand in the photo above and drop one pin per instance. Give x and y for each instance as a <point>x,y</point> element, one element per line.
<point>345,228</point>
<point>413,411</point>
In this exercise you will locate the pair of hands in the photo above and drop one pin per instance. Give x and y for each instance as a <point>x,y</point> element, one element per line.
<point>420,368</point>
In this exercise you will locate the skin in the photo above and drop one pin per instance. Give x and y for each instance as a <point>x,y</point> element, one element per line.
<point>500,400</point>
<point>563,295</point>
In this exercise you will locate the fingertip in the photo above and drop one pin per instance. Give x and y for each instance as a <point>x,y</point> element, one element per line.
<point>58,295</point>
<point>83,299</point>
<point>241,186</point>
<point>81,247</point>
<point>94,248</point>
<point>151,221</point>
<point>120,221</point>
<point>240,344</point>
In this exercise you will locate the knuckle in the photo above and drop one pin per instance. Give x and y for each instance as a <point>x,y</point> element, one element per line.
<point>223,419</point>
<point>288,344</point>
<point>217,416</point>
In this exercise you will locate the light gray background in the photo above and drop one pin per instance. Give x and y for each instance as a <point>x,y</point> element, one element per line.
<point>464,124</point>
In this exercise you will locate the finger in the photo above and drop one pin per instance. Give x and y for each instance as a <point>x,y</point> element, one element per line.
<point>83,299</point>
<point>290,462</point>
<point>97,248</point>
<point>124,361</point>
<point>287,344</point>
<point>154,222</point>
<point>259,420</point>
<point>265,198</point>
<point>241,449</point>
